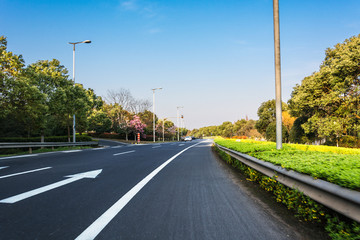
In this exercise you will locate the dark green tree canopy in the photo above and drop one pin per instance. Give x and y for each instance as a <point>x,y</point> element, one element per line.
<point>330,98</point>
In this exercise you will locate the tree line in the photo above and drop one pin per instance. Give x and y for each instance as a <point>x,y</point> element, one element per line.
<point>40,100</point>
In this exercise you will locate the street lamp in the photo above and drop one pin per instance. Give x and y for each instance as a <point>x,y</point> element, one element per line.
<point>154,89</point>
<point>277,75</point>
<point>177,116</point>
<point>74,43</point>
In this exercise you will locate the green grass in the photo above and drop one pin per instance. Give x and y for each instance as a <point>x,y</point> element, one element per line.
<point>337,165</point>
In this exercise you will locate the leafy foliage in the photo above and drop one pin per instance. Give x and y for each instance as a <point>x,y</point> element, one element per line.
<point>337,165</point>
<point>330,98</point>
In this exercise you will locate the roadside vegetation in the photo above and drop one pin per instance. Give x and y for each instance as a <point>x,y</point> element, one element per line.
<point>340,166</point>
<point>40,99</point>
<point>306,209</point>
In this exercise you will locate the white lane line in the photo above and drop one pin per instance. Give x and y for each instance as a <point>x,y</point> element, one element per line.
<point>156,147</point>
<point>4,167</point>
<point>123,153</point>
<point>181,145</point>
<point>96,149</point>
<point>20,173</point>
<point>96,227</point>
<point>71,178</point>
<point>117,147</point>
<point>71,151</point>
<point>20,156</point>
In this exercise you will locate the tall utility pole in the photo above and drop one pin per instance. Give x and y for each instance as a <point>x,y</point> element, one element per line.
<point>74,43</point>
<point>277,75</point>
<point>154,89</point>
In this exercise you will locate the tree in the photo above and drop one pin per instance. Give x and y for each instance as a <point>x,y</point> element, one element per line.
<point>267,115</point>
<point>271,132</point>
<point>136,126</point>
<point>99,122</point>
<point>287,121</point>
<point>124,98</point>
<point>226,129</point>
<point>11,67</point>
<point>330,98</point>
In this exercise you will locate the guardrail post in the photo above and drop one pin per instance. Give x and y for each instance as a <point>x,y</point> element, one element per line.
<point>30,150</point>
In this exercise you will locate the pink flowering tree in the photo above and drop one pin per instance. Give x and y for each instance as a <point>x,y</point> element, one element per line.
<point>136,125</point>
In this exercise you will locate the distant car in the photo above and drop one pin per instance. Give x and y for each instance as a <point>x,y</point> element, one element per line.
<point>188,138</point>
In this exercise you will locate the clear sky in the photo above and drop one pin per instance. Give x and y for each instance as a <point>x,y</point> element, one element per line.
<point>214,57</point>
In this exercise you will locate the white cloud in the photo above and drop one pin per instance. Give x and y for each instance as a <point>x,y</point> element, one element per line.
<point>129,5</point>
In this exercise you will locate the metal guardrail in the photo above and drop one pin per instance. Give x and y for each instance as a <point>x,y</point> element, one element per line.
<point>342,200</point>
<point>31,145</point>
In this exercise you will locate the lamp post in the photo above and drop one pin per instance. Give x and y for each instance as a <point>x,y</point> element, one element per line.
<point>277,75</point>
<point>74,43</point>
<point>154,89</point>
<point>177,117</point>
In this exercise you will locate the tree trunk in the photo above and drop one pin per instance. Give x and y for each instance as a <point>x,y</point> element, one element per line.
<point>68,127</point>
<point>42,137</point>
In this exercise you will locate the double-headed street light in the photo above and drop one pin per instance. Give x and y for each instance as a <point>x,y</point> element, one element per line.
<point>74,43</point>
<point>154,89</point>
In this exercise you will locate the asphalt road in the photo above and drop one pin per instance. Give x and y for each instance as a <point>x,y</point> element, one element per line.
<point>155,191</point>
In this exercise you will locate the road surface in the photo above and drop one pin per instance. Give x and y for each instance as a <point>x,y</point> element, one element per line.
<point>155,191</point>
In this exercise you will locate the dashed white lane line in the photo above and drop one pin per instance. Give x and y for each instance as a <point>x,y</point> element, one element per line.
<point>181,145</point>
<point>116,154</point>
<point>3,167</point>
<point>20,156</point>
<point>116,147</point>
<point>71,151</point>
<point>96,149</point>
<point>20,173</point>
<point>96,227</point>
<point>156,147</point>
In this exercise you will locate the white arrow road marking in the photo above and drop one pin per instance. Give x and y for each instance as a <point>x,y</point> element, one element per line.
<point>20,173</point>
<point>71,178</point>
<point>96,227</point>
<point>123,153</point>
<point>4,167</point>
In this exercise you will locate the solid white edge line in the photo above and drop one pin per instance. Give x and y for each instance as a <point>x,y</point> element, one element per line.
<point>20,173</point>
<point>123,153</point>
<point>96,227</point>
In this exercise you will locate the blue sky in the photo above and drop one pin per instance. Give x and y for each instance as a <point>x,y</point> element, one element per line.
<point>215,58</point>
